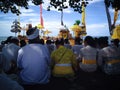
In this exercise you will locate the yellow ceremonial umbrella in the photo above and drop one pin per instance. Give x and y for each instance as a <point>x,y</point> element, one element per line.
<point>47,32</point>
<point>39,26</point>
<point>76,29</point>
<point>116,33</point>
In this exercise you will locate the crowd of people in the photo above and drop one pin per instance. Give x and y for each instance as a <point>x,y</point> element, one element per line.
<point>36,65</point>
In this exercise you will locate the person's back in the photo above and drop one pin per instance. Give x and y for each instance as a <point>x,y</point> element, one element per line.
<point>34,60</point>
<point>63,60</point>
<point>67,44</point>
<point>49,46</point>
<point>76,48</point>
<point>109,59</point>
<point>88,55</point>
<point>22,43</point>
<point>64,65</point>
<point>10,52</point>
<point>8,84</point>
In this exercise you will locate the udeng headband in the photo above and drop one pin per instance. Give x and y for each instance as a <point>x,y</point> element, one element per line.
<point>34,35</point>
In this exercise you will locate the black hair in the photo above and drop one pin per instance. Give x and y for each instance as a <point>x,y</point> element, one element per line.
<point>116,42</point>
<point>59,41</point>
<point>48,42</point>
<point>78,40</point>
<point>90,41</point>
<point>15,40</point>
<point>30,31</point>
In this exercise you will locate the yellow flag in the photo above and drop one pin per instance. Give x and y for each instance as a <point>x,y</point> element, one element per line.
<point>116,33</point>
<point>83,15</point>
<point>115,16</point>
<point>83,21</point>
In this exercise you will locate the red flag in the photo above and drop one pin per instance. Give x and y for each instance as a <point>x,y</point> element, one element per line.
<point>41,18</point>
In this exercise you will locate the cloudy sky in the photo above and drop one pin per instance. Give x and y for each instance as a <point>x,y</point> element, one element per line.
<point>96,19</point>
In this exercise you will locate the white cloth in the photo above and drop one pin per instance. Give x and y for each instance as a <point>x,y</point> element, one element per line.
<point>68,46</point>
<point>9,52</point>
<point>88,53</point>
<point>107,54</point>
<point>8,84</point>
<point>34,35</point>
<point>76,49</point>
<point>34,60</point>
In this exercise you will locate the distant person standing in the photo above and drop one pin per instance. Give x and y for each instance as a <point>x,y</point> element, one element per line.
<point>33,62</point>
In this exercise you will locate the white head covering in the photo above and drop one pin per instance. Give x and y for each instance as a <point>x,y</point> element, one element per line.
<point>34,34</point>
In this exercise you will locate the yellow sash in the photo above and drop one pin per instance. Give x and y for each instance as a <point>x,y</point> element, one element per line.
<point>88,61</point>
<point>113,61</point>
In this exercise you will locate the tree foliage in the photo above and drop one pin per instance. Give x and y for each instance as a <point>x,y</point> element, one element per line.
<point>12,5</point>
<point>113,3</point>
<point>75,4</point>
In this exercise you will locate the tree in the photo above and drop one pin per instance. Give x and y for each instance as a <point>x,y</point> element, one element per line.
<point>12,5</point>
<point>61,4</point>
<point>115,4</point>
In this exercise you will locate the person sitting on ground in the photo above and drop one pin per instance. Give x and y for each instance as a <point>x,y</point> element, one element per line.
<point>76,48</point>
<point>88,61</point>
<point>109,58</point>
<point>67,43</point>
<point>22,43</point>
<point>88,55</point>
<point>34,63</point>
<point>50,46</point>
<point>10,53</point>
<point>6,83</point>
<point>64,65</point>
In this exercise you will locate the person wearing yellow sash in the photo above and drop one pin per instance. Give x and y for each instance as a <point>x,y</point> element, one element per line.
<point>88,55</point>
<point>109,58</point>
<point>64,65</point>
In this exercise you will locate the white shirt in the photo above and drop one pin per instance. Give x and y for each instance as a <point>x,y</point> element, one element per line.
<point>8,84</point>
<point>107,54</point>
<point>34,60</point>
<point>88,53</point>
<point>76,49</point>
<point>10,52</point>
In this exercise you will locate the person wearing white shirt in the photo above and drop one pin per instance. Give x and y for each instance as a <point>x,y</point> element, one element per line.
<point>34,61</point>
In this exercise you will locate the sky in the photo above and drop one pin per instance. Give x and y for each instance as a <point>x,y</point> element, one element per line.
<point>96,19</point>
